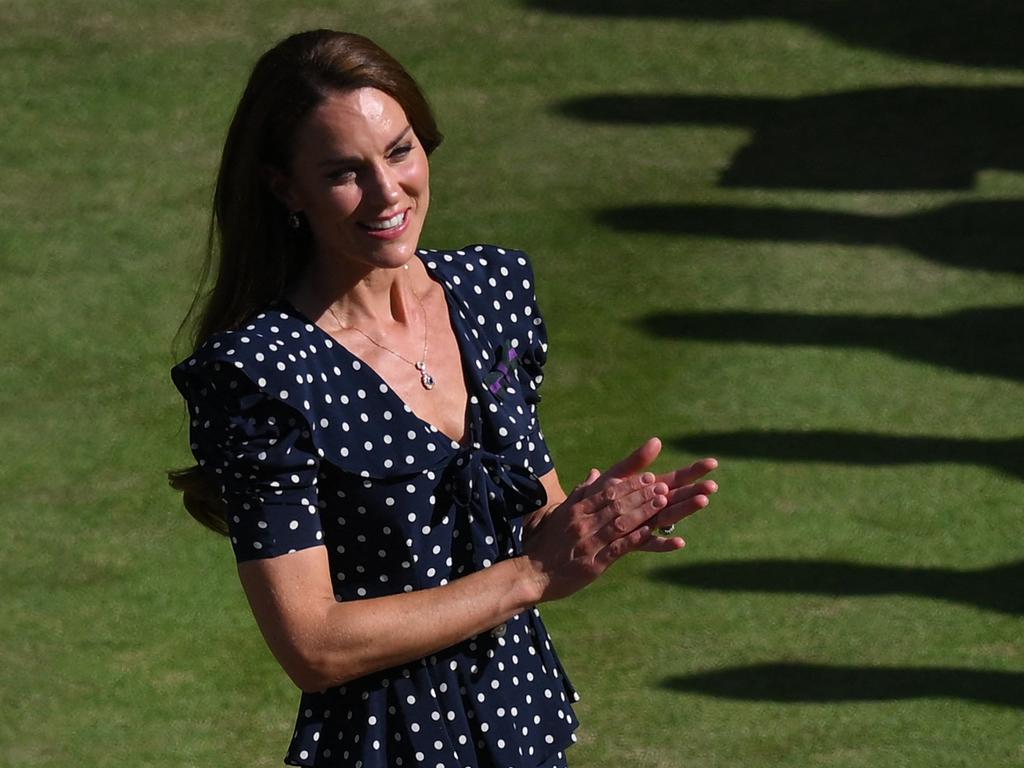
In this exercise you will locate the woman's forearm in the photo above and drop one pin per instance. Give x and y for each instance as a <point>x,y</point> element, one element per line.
<point>321,642</point>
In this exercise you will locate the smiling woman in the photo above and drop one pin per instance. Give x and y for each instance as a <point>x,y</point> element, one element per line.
<point>360,177</point>
<point>364,417</point>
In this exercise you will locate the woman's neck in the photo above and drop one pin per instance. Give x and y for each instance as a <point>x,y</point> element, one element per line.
<point>377,298</point>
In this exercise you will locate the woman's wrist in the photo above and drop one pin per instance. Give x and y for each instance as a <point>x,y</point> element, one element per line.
<point>529,583</point>
<point>536,518</point>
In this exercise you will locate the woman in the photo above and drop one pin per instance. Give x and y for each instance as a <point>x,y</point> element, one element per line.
<point>364,417</point>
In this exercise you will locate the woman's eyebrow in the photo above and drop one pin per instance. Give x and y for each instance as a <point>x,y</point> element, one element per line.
<point>358,160</point>
<point>395,142</point>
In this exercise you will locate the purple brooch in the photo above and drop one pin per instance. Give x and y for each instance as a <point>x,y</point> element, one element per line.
<point>504,371</point>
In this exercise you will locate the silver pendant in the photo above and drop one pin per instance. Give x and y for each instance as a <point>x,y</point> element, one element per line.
<point>425,378</point>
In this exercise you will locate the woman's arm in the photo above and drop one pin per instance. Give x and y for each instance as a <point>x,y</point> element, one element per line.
<point>321,642</point>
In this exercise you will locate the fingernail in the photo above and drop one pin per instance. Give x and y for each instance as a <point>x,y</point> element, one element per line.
<point>647,478</point>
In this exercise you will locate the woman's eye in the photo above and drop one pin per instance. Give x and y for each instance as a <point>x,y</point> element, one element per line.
<point>341,176</point>
<point>401,151</point>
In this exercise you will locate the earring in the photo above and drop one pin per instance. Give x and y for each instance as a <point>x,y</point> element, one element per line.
<point>293,220</point>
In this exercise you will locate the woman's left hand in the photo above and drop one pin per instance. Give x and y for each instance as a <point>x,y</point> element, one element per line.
<point>687,493</point>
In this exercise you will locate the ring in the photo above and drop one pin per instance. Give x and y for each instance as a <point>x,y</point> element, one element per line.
<point>666,530</point>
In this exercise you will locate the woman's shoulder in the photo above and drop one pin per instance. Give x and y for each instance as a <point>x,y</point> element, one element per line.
<point>277,349</point>
<point>484,259</point>
<point>277,331</point>
<point>485,277</point>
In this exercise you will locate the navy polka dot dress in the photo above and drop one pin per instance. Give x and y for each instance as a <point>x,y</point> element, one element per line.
<point>311,448</point>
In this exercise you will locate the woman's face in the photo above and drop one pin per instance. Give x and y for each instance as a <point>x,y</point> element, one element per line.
<point>360,177</point>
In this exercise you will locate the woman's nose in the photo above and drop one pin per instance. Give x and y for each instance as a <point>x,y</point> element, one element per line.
<point>386,188</point>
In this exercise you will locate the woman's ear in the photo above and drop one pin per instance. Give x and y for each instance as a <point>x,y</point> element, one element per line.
<point>280,185</point>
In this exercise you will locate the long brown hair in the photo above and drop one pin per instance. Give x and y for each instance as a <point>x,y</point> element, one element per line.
<point>252,254</point>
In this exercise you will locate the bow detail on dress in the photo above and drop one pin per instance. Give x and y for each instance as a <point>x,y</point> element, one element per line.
<point>487,497</point>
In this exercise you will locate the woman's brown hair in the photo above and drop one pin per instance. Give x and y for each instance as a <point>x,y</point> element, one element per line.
<point>252,254</point>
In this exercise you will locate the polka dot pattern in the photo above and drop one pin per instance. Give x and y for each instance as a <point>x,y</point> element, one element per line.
<point>309,447</point>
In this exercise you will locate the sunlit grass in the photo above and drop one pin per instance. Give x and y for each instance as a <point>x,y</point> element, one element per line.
<point>126,640</point>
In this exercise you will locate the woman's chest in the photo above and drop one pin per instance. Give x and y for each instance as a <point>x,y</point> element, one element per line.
<point>433,386</point>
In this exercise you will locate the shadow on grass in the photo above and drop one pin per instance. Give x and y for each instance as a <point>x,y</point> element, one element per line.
<point>915,137</point>
<point>862,448</point>
<point>995,589</point>
<point>980,341</point>
<point>795,682</point>
<point>981,33</point>
<point>984,235</point>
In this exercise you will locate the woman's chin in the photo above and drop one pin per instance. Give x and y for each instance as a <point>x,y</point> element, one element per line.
<point>391,254</point>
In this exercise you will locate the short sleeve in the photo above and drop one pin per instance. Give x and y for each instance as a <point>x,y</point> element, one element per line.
<point>259,454</point>
<point>532,351</point>
<point>535,356</point>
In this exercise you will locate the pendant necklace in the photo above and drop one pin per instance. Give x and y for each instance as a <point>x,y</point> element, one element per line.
<point>425,378</point>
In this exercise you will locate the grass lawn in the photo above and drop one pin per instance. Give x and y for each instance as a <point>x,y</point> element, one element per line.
<point>783,237</point>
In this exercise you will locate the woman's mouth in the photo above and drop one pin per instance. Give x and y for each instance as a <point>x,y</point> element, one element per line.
<point>390,227</point>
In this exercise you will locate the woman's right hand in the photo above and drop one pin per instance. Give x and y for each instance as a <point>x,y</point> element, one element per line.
<point>604,518</point>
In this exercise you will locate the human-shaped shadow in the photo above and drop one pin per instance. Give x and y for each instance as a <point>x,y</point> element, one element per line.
<point>982,33</point>
<point>861,448</point>
<point>795,682</point>
<point>984,235</point>
<point>915,137</point>
<point>999,588</point>
<point>982,340</point>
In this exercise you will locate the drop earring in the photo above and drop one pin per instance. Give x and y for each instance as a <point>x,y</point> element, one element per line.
<point>293,220</point>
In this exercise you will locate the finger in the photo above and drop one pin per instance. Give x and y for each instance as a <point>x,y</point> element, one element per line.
<point>688,474</point>
<point>703,488</point>
<point>640,508</point>
<point>621,546</point>
<point>640,459</point>
<point>662,544</point>
<point>617,499</point>
<point>637,461</point>
<point>624,515</point>
<point>580,490</point>
<point>673,513</point>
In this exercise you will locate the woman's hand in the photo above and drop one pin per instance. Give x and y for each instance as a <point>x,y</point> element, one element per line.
<point>608,515</point>
<point>687,494</point>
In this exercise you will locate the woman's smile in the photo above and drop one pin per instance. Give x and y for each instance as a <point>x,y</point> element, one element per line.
<point>389,228</point>
<point>360,178</point>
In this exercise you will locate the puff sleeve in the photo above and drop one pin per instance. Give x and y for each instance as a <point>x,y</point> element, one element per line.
<point>534,356</point>
<point>520,343</point>
<point>258,452</point>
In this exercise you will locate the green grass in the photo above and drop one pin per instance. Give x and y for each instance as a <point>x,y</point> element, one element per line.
<point>125,639</point>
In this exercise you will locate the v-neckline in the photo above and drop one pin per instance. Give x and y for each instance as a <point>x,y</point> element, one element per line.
<point>472,416</point>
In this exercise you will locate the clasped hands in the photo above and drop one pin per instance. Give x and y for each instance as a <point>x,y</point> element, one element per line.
<point>569,545</point>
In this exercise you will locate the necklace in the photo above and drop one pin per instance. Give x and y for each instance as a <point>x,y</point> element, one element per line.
<point>425,378</point>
